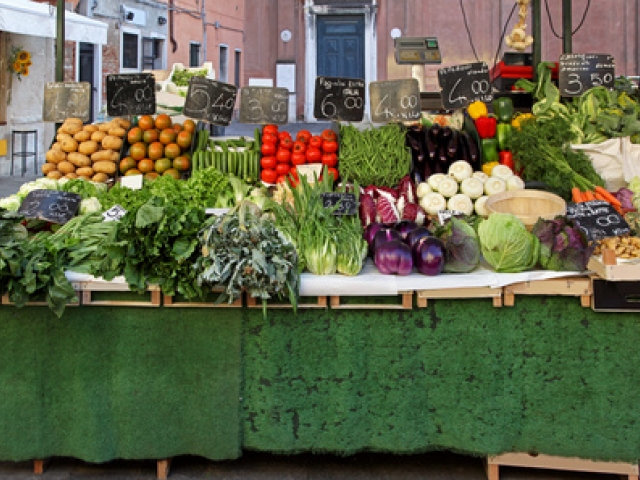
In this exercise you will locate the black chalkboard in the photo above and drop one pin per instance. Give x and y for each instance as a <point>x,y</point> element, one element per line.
<point>64,100</point>
<point>53,206</point>
<point>264,105</point>
<point>579,72</point>
<point>210,101</point>
<point>395,101</point>
<point>339,99</point>
<point>131,94</point>
<point>343,203</point>
<point>597,219</point>
<point>463,84</point>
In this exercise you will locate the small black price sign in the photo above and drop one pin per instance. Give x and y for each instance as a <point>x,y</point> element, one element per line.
<point>395,101</point>
<point>53,206</point>
<point>264,105</point>
<point>343,203</point>
<point>131,94</point>
<point>597,219</point>
<point>464,84</point>
<point>64,100</point>
<point>210,101</point>
<point>339,99</point>
<point>581,71</point>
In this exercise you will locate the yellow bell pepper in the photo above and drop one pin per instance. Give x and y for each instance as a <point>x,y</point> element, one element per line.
<point>477,109</point>
<point>519,118</point>
<point>487,167</point>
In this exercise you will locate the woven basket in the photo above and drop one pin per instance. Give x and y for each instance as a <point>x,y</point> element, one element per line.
<point>527,205</point>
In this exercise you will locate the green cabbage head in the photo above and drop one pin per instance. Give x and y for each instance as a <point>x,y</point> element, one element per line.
<point>507,245</point>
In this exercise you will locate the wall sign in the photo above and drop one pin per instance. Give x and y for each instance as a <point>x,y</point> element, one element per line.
<point>210,100</point>
<point>64,100</point>
<point>579,72</point>
<point>131,94</point>
<point>463,84</point>
<point>264,105</point>
<point>339,99</point>
<point>395,101</point>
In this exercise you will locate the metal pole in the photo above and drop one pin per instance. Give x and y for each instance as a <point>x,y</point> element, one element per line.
<point>60,42</point>
<point>204,33</point>
<point>536,31</point>
<point>566,26</point>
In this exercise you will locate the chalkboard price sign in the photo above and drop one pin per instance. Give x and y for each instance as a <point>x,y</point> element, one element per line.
<point>64,100</point>
<point>579,72</point>
<point>597,219</point>
<point>343,203</point>
<point>395,100</point>
<point>339,99</point>
<point>210,101</point>
<point>53,206</point>
<point>264,105</point>
<point>131,94</point>
<point>463,84</point>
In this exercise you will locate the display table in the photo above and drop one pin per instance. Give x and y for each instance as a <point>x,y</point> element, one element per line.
<point>545,376</point>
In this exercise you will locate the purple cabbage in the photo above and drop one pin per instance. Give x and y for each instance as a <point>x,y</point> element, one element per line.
<point>625,196</point>
<point>462,246</point>
<point>563,245</point>
<point>393,257</point>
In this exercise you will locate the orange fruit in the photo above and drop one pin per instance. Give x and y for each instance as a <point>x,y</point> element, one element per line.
<point>127,163</point>
<point>132,171</point>
<point>172,172</point>
<point>151,135</point>
<point>145,122</point>
<point>189,125</point>
<point>134,135</point>
<point>181,163</point>
<point>162,165</point>
<point>184,139</point>
<point>167,136</point>
<point>176,127</point>
<point>151,175</point>
<point>156,150</point>
<point>145,165</point>
<point>138,150</point>
<point>163,121</point>
<point>172,150</point>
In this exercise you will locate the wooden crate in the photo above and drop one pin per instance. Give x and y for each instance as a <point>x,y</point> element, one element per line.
<point>568,286</point>
<point>527,460</point>
<point>460,293</point>
<point>402,301</point>
<point>5,301</point>
<point>208,302</point>
<point>303,302</point>
<point>117,294</point>
<point>615,271</point>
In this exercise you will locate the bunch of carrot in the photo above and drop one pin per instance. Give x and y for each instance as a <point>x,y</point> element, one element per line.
<point>598,193</point>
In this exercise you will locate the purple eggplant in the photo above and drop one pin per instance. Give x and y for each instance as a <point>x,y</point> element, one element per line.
<point>416,234</point>
<point>394,257</point>
<point>384,235</point>
<point>429,256</point>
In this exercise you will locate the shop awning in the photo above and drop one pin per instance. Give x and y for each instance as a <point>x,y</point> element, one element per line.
<point>39,19</point>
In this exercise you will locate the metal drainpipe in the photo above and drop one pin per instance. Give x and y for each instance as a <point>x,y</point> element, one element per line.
<point>566,27</point>
<point>204,33</point>
<point>172,38</point>
<point>60,41</point>
<point>536,27</point>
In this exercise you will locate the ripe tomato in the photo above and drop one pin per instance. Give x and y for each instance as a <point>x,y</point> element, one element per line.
<point>293,173</point>
<point>329,135</point>
<point>333,173</point>
<point>286,142</point>
<point>330,146</point>
<point>281,179</point>
<point>316,141</point>
<point>268,175</point>
<point>284,134</point>
<point>299,147</point>
<point>303,136</point>
<point>283,155</point>
<point>270,128</point>
<point>269,162</point>
<point>283,169</point>
<point>313,155</point>
<point>330,159</point>
<point>298,158</point>
<point>270,138</point>
<point>268,149</point>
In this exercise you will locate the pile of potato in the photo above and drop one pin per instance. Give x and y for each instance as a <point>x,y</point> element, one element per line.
<point>89,151</point>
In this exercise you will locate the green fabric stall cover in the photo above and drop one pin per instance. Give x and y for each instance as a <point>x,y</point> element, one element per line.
<point>107,383</point>
<point>545,376</point>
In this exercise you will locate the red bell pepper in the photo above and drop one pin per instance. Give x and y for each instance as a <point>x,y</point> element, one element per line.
<point>486,126</point>
<point>506,158</point>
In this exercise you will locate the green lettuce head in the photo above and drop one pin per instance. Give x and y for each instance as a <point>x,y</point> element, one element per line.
<point>507,245</point>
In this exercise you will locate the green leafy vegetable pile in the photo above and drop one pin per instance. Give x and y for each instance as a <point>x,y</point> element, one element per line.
<point>506,243</point>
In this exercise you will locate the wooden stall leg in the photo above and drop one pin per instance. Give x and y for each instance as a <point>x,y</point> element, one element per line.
<point>163,468</point>
<point>632,477</point>
<point>493,470</point>
<point>39,466</point>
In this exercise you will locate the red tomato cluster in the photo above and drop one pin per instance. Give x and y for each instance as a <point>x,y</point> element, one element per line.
<point>282,153</point>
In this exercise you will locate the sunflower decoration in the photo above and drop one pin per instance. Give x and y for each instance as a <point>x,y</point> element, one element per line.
<point>19,62</point>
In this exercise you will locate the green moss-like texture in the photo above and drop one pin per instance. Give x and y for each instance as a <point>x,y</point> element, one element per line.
<point>545,376</point>
<point>107,383</point>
